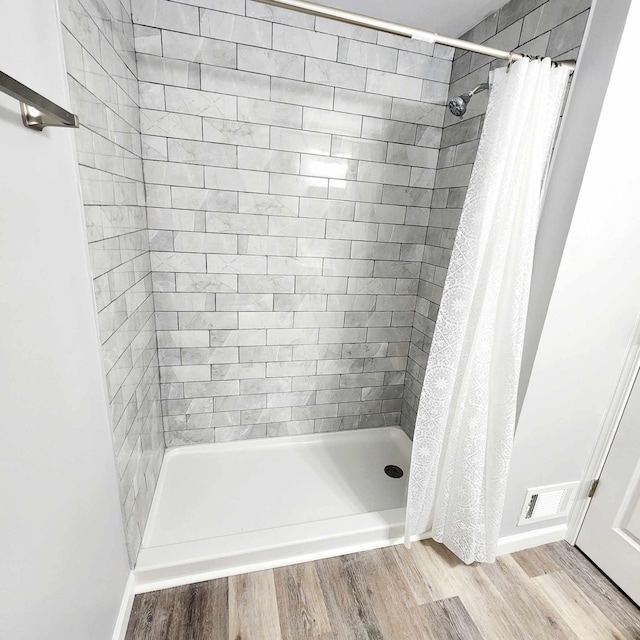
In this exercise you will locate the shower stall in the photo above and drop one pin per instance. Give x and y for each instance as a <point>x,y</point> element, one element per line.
<point>271,200</point>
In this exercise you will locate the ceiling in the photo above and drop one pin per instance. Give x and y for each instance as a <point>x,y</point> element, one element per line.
<point>446,17</point>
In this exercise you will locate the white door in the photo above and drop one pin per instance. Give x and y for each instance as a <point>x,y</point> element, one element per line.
<point>610,534</point>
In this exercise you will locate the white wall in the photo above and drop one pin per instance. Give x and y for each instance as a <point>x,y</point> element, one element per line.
<point>594,305</point>
<point>64,562</point>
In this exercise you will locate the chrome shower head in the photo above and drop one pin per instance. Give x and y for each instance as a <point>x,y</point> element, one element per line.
<point>458,106</point>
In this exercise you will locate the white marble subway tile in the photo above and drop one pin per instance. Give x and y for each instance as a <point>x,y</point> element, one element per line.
<point>367,55</point>
<point>335,74</point>
<point>358,148</point>
<point>421,177</point>
<point>203,199</point>
<point>412,155</point>
<point>409,196</point>
<point>204,389</point>
<point>302,141</point>
<point>356,191</point>
<point>388,130</point>
<point>238,83</point>
<point>220,263</point>
<point>167,71</point>
<point>177,262</point>
<point>362,34</point>
<point>324,167</point>
<point>434,92</point>
<point>342,267</point>
<point>166,15</point>
<point>238,133</point>
<point>325,121</point>
<point>171,301</point>
<point>367,212</point>
<point>202,153</point>
<point>235,223</point>
<point>429,136</point>
<point>318,248</point>
<point>262,417</point>
<point>288,185</point>
<point>266,246</point>
<point>175,219</point>
<point>236,179</point>
<point>173,173</point>
<point>295,265</point>
<point>277,14</point>
<point>198,242</point>
<point>266,284</point>
<point>154,148</point>
<point>417,112</point>
<point>183,46</point>
<point>426,67</point>
<point>151,95</point>
<point>327,209</point>
<point>391,84</point>
<point>549,16</point>
<point>347,230</point>
<point>172,125</point>
<point>183,373</point>
<point>269,62</point>
<point>271,113</point>
<point>244,302</point>
<point>507,39</point>
<point>269,320</point>
<point>454,176</point>
<point>383,173</point>
<point>206,282</point>
<point>304,42</point>
<point>238,338</point>
<point>365,104</point>
<point>200,103</point>
<point>206,320</point>
<point>292,336</point>
<point>375,251</point>
<point>267,204</point>
<point>226,26</point>
<point>147,40</point>
<point>269,160</point>
<point>310,319</point>
<point>301,93</point>
<point>402,233</point>
<point>296,227</point>
<point>169,339</point>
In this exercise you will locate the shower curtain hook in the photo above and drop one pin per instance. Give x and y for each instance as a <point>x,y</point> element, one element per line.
<point>510,61</point>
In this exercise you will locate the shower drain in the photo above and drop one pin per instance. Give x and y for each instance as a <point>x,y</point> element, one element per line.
<point>393,471</point>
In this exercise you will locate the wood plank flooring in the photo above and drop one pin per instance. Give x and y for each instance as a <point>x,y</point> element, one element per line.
<point>426,593</point>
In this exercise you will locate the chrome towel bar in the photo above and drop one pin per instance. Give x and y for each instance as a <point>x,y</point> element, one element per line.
<point>37,111</point>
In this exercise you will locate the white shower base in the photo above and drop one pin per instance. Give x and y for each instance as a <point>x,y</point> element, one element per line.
<point>228,508</point>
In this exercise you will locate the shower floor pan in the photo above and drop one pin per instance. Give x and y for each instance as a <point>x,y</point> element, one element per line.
<point>228,508</point>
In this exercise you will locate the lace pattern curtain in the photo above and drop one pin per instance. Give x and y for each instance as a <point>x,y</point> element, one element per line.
<point>466,416</point>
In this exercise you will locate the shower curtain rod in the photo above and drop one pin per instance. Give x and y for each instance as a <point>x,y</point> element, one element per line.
<point>399,29</point>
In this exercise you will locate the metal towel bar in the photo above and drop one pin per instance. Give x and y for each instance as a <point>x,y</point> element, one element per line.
<point>37,111</point>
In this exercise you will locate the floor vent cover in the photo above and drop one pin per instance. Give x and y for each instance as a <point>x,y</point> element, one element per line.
<point>547,503</point>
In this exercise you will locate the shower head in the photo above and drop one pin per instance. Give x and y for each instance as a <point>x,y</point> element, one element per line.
<point>458,105</point>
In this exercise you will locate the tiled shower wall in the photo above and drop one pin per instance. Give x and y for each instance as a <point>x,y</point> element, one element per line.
<point>98,43</point>
<point>289,163</point>
<point>554,28</point>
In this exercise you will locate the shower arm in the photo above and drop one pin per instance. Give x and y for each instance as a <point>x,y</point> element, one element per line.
<point>481,87</point>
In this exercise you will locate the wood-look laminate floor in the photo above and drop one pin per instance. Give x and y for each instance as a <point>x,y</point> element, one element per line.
<point>551,592</point>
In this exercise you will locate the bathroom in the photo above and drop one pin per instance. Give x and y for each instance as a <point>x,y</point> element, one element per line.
<point>219,375</point>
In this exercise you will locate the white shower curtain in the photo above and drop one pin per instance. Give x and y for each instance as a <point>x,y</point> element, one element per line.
<point>464,429</point>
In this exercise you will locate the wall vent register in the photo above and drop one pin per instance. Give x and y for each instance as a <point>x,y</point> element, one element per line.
<point>547,503</point>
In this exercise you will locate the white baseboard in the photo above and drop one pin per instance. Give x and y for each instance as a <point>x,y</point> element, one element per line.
<point>508,544</point>
<point>120,630</point>
<point>530,539</point>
